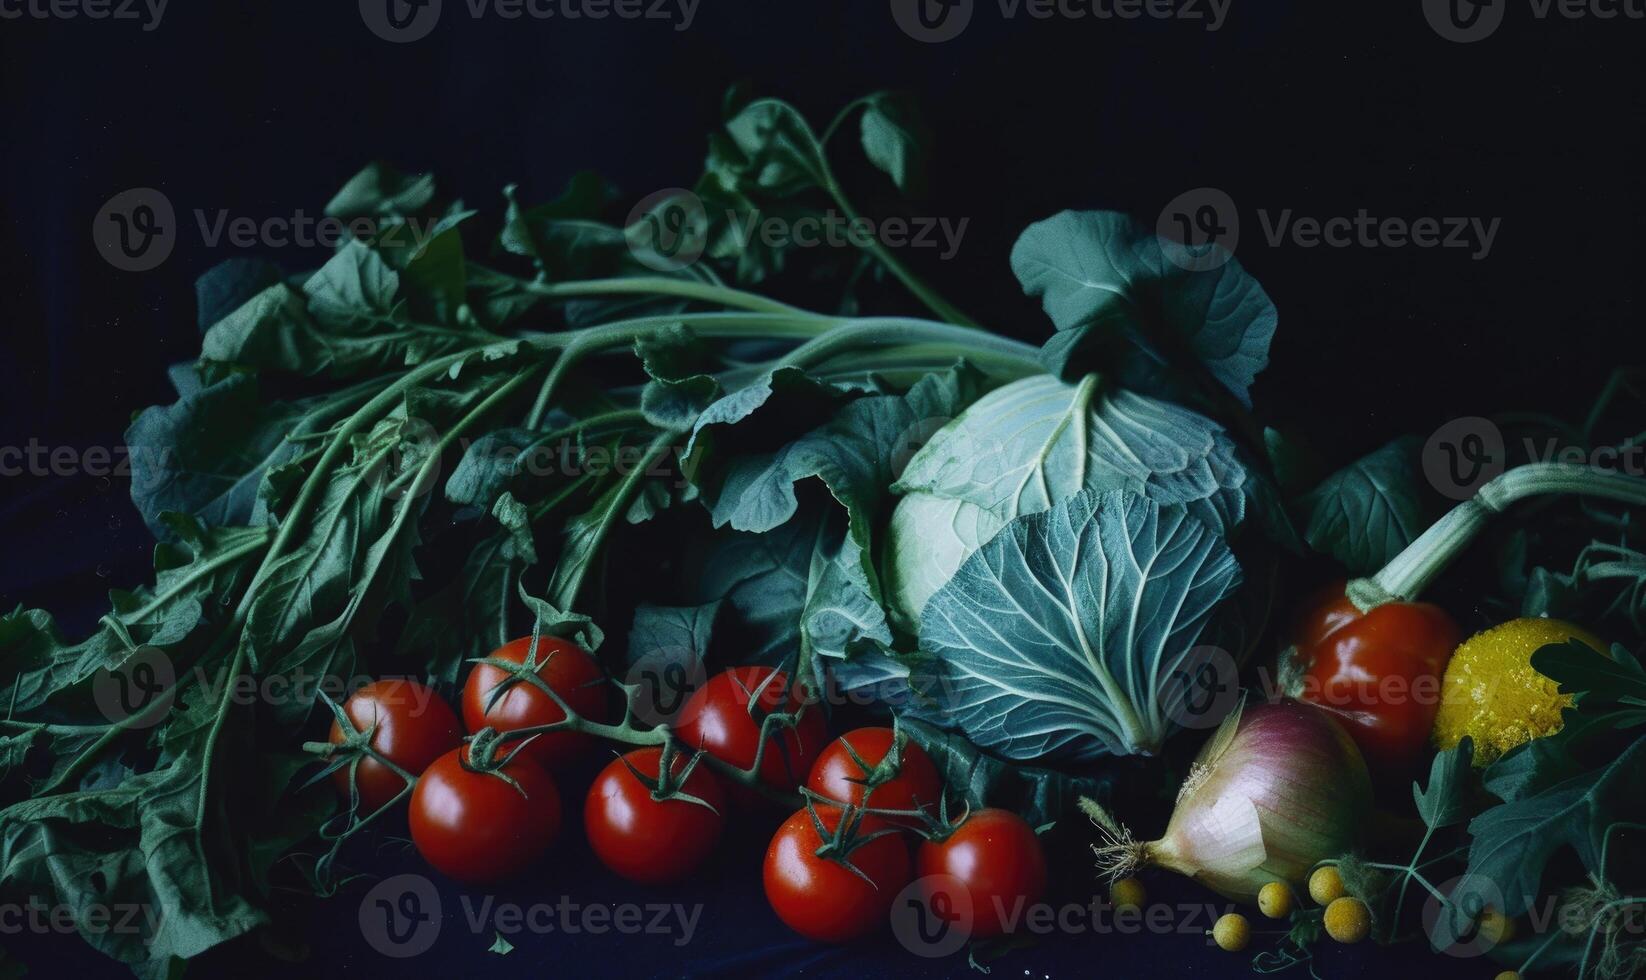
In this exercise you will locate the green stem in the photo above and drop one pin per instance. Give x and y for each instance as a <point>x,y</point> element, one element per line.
<point>258,540</point>
<point>617,418</point>
<point>577,344</point>
<point>1411,571</point>
<point>563,593</point>
<point>930,297</point>
<point>660,286</point>
<point>880,332</point>
<point>313,486</point>
<point>1411,869</point>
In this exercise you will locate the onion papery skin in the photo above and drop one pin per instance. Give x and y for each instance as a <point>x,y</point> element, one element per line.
<point>1304,777</point>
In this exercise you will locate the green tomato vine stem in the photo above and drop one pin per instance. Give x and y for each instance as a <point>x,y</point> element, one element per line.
<point>626,732</point>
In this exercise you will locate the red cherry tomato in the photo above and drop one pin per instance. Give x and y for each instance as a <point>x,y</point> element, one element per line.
<point>1379,672</point>
<point>837,776</point>
<point>996,858</point>
<point>720,718</point>
<point>411,726</point>
<point>567,669</point>
<point>646,839</point>
<point>474,826</point>
<point>819,897</point>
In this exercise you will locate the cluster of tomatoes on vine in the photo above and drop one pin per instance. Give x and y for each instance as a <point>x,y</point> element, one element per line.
<point>871,810</point>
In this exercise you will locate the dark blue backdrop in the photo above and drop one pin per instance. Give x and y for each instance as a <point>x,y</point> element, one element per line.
<point>1323,108</point>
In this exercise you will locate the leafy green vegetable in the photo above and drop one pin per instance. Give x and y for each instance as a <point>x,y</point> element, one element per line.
<point>895,140</point>
<point>1033,443</point>
<point>207,454</point>
<point>1369,511</point>
<point>1514,841</point>
<point>1126,300</point>
<point>311,532</point>
<point>1443,802</point>
<point>1056,639</point>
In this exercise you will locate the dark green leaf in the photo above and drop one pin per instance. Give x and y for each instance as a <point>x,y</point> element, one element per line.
<point>206,454</point>
<point>1368,512</point>
<point>977,779</point>
<point>1597,680</point>
<point>381,190</point>
<point>1513,842</point>
<point>896,140</point>
<point>1125,299</point>
<point>228,285</point>
<point>1443,802</point>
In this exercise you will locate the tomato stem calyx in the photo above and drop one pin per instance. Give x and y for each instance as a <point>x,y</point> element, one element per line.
<point>481,756</point>
<point>670,785</point>
<point>846,837</point>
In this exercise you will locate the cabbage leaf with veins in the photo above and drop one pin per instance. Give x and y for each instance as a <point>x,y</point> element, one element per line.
<point>1031,444</point>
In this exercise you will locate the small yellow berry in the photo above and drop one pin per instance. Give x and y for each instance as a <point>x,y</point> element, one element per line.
<point>1275,900</point>
<point>1348,920</point>
<point>1508,975</point>
<point>1326,885</point>
<point>1127,893</point>
<point>1495,927</point>
<point>1232,932</point>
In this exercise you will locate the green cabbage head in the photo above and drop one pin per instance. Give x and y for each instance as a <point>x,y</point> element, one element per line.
<point>1023,448</point>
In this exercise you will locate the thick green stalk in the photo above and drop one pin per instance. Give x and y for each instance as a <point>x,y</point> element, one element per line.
<point>577,344</point>
<point>661,286</point>
<point>887,332</point>
<point>1411,571</point>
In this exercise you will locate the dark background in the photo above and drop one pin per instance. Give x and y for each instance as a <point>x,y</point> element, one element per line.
<point>1322,108</point>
